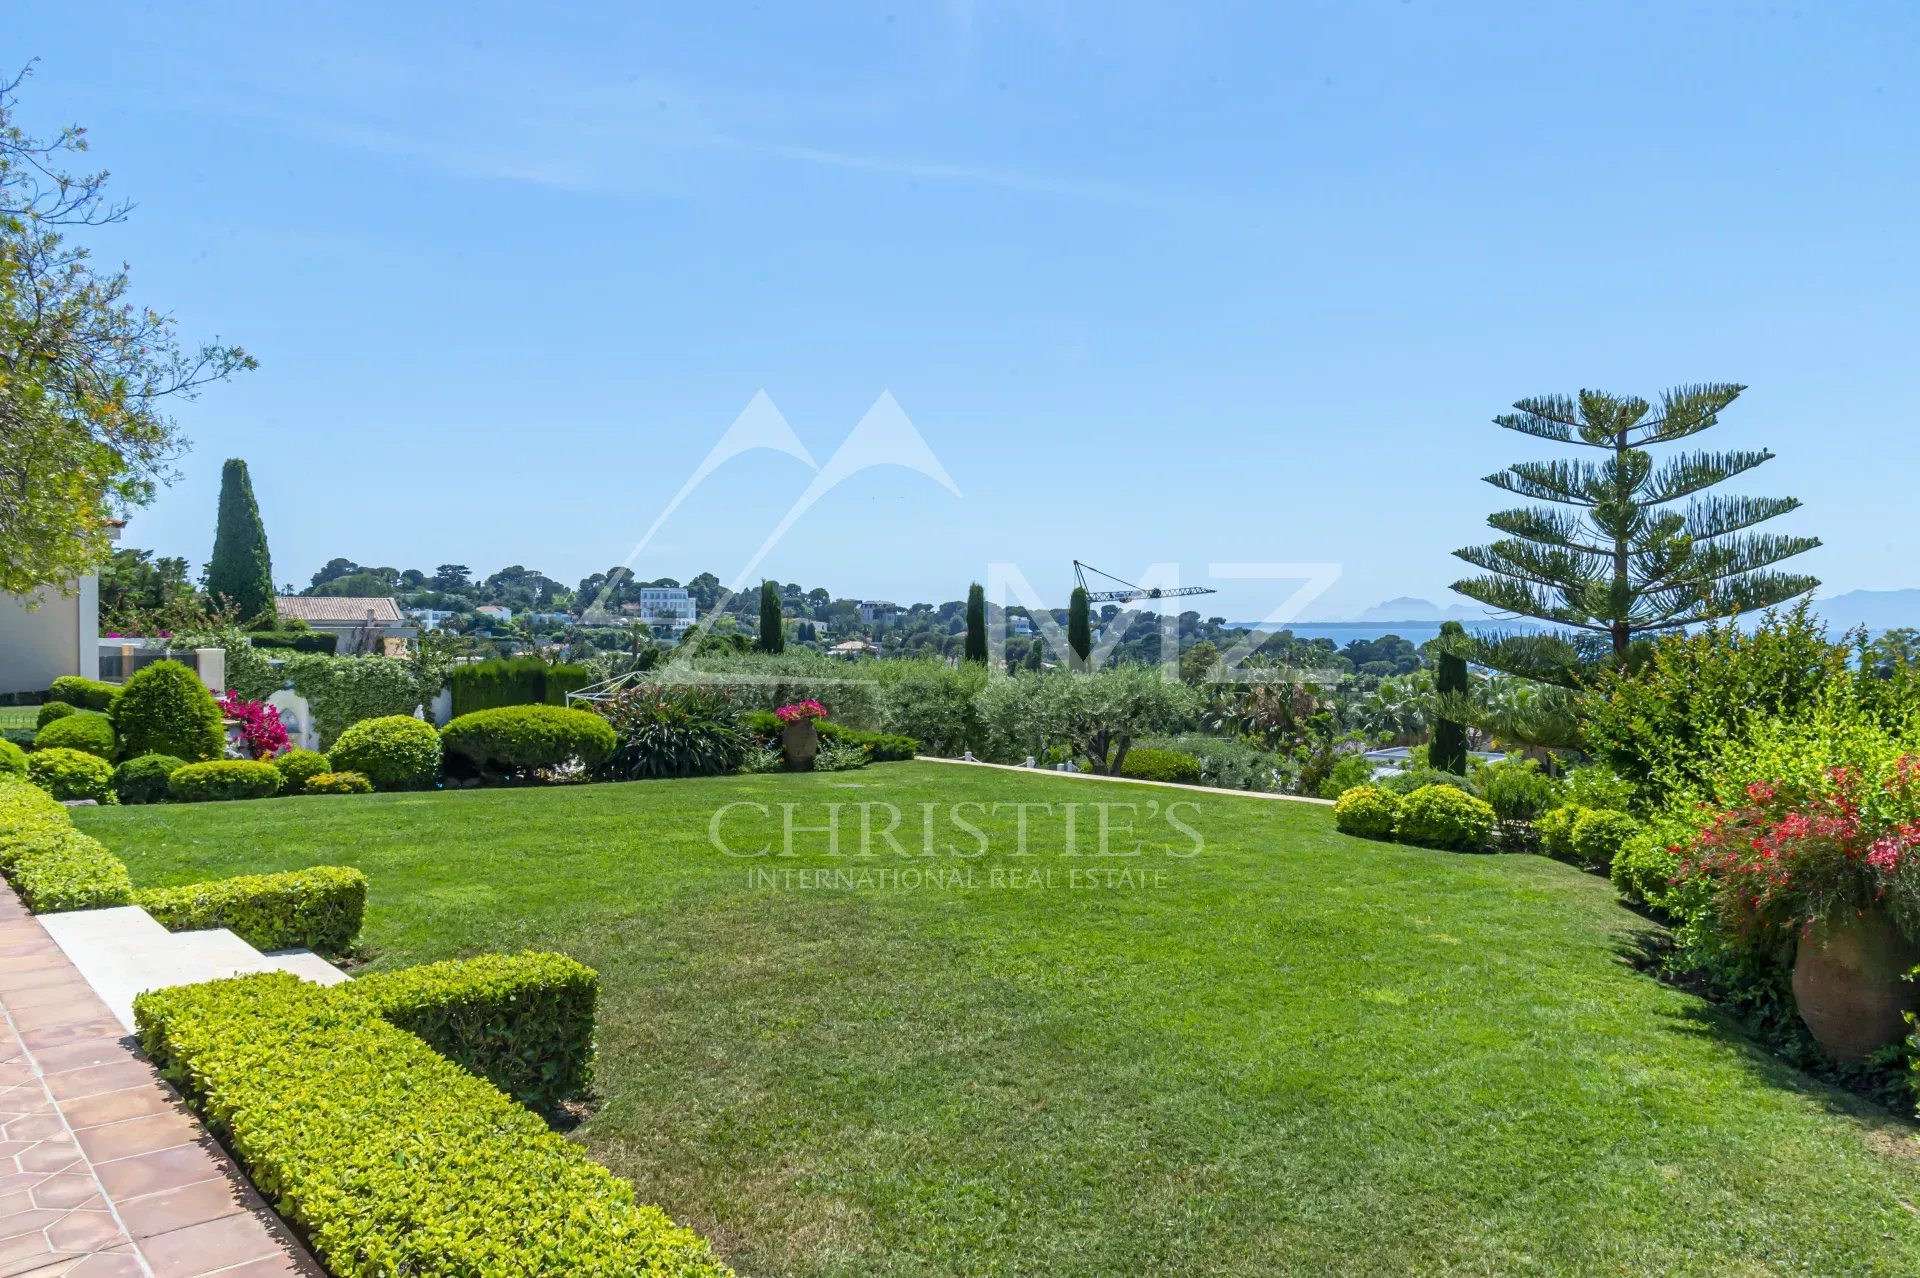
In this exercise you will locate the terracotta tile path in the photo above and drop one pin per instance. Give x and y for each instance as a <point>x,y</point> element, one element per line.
<point>103,1172</point>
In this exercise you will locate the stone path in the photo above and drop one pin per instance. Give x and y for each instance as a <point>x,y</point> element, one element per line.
<point>103,1172</point>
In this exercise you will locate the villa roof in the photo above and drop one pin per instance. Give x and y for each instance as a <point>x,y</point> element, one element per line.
<point>338,610</point>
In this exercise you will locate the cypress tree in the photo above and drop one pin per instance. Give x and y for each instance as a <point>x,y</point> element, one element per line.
<point>1079,629</point>
<point>1448,752</point>
<point>976,649</point>
<point>240,574</point>
<point>773,636</point>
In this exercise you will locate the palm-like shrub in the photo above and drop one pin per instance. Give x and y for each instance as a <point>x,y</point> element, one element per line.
<point>395,752</point>
<point>1439,816</point>
<point>165,709</point>
<point>1367,811</point>
<point>89,732</point>
<point>674,730</point>
<point>143,779</point>
<point>525,740</point>
<point>71,774</point>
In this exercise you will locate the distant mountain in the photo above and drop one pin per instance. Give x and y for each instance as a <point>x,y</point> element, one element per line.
<point>1877,610</point>
<point>1406,608</point>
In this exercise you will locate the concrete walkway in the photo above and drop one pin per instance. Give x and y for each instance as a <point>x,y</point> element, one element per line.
<point>103,1172</point>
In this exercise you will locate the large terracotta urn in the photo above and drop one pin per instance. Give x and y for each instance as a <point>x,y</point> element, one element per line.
<point>1850,986</point>
<point>799,742</point>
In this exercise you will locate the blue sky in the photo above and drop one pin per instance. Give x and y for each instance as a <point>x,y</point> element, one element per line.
<point>1155,283</point>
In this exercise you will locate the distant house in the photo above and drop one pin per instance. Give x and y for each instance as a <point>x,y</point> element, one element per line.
<point>669,606</point>
<point>59,636</point>
<point>853,649</point>
<point>495,611</point>
<point>878,611</point>
<point>430,618</point>
<point>364,623</point>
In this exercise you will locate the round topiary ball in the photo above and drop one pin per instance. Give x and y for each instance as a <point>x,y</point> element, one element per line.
<point>1439,816</point>
<point>52,710</point>
<point>92,733</point>
<point>218,780</point>
<point>71,774</point>
<point>1367,811</point>
<point>13,760</point>
<point>395,752</point>
<point>296,765</point>
<point>530,740</point>
<point>143,779</point>
<point>1600,833</point>
<point>165,709</point>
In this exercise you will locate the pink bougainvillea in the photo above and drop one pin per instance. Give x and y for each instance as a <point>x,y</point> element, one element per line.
<point>800,711</point>
<point>260,728</point>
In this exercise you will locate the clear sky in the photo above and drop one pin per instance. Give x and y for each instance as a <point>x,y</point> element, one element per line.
<point>1155,283</point>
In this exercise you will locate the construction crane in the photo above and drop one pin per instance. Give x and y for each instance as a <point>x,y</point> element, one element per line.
<point>1132,592</point>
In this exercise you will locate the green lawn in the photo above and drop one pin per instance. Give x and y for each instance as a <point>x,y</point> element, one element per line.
<point>18,716</point>
<point>1293,1052</point>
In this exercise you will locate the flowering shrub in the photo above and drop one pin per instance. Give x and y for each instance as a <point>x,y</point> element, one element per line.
<point>261,731</point>
<point>801,711</point>
<point>1796,852</point>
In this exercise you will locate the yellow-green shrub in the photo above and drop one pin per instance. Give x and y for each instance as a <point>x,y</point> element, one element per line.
<point>318,908</point>
<point>72,774</point>
<point>337,783</point>
<point>91,733</point>
<point>52,865</point>
<point>1439,816</point>
<point>1367,811</point>
<point>224,779</point>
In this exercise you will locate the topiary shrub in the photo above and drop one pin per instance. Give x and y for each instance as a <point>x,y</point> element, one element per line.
<point>1518,791</point>
<point>143,779</point>
<point>72,774</point>
<point>92,733</point>
<point>50,711</point>
<point>297,766</point>
<point>524,740</point>
<point>1440,816</point>
<point>395,752</point>
<point>85,694</point>
<point>1144,763</point>
<point>337,783</point>
<point>1599,834</point>
<point>317,909</point>
<point>13,760</point>
<point>224,779</point>
<point>164,709</point>
<point>1367,811</point>
<point>1555,831</point>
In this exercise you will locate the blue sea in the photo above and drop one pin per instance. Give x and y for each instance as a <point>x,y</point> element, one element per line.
<point>1345,632</point>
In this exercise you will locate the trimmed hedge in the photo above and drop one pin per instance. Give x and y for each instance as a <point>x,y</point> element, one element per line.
<point>164,709</point>
<point>144,779</point>
<point>337,783</point>
<point>71,774</point>
<point>1439,816</point>
<point>389,1158</point>
<point>395,752</point>
<point>296,765</point>
<point>51,710</point>
<point>13,760</point>
<point>322,641</point>
<point>85,694</point>
<point>1367,812</point>
<point>1599,834</point>
<point>1144,763</point>
<point>1555,831</point>
<point>524,1022</point>
<point>224,779</point>
<point>91,733</point>
<point>519,740</point>
<point>513,681</point>
<point>51,865</point>
<point>316,909</point>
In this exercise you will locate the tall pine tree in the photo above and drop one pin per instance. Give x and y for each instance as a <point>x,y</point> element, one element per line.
<point>1634,550</point>
<point>240,574</point>
<point>976,649</point>
<point>773,636</point>
<point>1079,629</point>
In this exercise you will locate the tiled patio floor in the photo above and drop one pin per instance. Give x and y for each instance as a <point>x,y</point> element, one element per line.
<point>103,1172</point>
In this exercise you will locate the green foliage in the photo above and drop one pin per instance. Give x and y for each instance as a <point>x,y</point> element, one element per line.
<point>13,760</point>
<point>935,704</point>
<point>513,681</point>
<point>319,908</point>
<point>321,641</point>
<point>51,865</point>
<point>1368,812</point>
<point>240,574</point>
<point>525,740</point>
<point>1349,771</point>
<point>976,642</point>
<point>143,778</point>
<point>297,765</point>
<point>1517,790</point>
<point>1079,628</point>
<point>83,693</point>
<point>395,752</point>
<point>1144,763</point>
<point>879,747</point>
<point>1418,776</point>
<point>224,779</point>
<point>839,756</point>
<point>1636,551</point>
<point>388,1158</point>
<point>1595,786</point>
<point>1231,763</point>
<point>674,730</point>
<point>343,691</point>
<point>90,732</point>
<point>1098,715</point>
<point>1554,829</point>
<point>1448,751</point>
<point>165,709</point>
<point>773,635</point>
<point>1646,868</point>
<point>1440,816</point>
<point>1598,835</point>
<point>51,710</point>
<point>524,1022</point>
<point>336,783</point>
<point>71,774</point>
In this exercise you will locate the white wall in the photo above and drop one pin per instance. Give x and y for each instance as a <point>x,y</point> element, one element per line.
<point>60,637</point>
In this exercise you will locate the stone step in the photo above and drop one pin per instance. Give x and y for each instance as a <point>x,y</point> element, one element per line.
<point>123,952</point>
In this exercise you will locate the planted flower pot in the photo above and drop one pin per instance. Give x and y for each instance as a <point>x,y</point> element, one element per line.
<point>1850,986</point>
<point>799,742</point>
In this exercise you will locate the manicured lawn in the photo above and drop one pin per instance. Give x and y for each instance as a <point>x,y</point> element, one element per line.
<point>18,716</point>
<point>1296,1052</point>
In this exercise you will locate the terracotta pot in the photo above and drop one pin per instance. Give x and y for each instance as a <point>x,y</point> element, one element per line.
<point>799,742</point>
<point>1849,984</point>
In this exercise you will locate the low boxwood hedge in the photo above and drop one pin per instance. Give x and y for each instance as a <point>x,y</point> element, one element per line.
<point>224,779</point>
<point>523,740</point>
<point>72,774</point>
<point>522,1021</point>
<point>1144,763</point>
<point>52,865</point>
<point>318,908</point>
<point>88,732</point>
<point>86,694</point>
<point>389,1158</point>
<point>143,779</point>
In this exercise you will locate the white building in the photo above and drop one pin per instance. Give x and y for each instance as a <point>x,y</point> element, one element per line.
<point>667,606</point>
<point>51,633</point>
<point>878,610</point>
